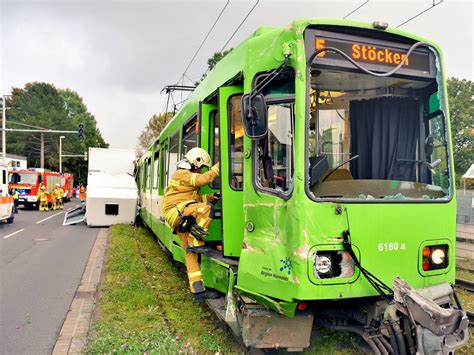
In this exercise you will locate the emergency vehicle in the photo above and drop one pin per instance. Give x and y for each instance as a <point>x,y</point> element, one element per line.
<point>28,182</point>
<point>7,212</point>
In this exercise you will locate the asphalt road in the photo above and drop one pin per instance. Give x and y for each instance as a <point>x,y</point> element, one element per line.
<point>41,264</point>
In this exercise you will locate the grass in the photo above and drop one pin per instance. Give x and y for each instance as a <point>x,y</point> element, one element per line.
<point>145,306</point>
<point>329,342</point>
<point>465,274</point>
<point>467,301</point>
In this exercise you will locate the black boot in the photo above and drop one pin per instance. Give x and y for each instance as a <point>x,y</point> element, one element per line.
<point>206,295</point>
<point>198,250</point>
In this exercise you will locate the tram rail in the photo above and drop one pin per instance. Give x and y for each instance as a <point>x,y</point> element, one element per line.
<point>465,284</point>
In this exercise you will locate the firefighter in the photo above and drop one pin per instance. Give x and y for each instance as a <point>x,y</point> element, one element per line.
<point>57,198</point>
<point>16,196</point>
<point>43,199</point>
<point>189,213</point>
<point>82,193</point>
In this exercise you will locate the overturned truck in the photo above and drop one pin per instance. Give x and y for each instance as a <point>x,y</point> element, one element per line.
<point>338,201</point>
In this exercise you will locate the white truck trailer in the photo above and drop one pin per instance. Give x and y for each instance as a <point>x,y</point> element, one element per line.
<point>112,193</point>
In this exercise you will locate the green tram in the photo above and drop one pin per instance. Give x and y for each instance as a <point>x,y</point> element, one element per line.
<point>338,201</point>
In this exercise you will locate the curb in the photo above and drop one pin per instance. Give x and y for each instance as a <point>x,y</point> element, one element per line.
<point>73,335</point>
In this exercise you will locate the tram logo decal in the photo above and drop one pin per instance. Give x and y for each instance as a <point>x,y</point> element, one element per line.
<point>285,268</point>
<point>286,265</point>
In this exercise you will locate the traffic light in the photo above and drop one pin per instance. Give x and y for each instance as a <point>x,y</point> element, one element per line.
<point>81,131</point>
<point>85,156</point>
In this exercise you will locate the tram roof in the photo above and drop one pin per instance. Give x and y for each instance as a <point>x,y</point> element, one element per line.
<point>264,42</point>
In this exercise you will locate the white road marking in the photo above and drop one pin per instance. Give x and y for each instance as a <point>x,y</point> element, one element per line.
<point>54,215</point>
<point>12,234</point>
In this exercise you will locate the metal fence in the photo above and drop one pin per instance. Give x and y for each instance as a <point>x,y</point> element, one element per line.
<point>465,229</point>
<point>465,210</point>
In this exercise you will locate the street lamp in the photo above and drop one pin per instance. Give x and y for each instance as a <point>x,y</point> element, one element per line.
<point>61,153</point>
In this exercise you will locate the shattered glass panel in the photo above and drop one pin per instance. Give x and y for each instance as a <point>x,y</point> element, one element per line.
<point>377,138</point>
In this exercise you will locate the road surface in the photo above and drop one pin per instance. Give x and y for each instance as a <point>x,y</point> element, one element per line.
<point>41,264</point>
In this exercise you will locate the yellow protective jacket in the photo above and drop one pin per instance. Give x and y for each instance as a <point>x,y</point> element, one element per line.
<point>184,186</point>
<point>43,195</point>
<point>58,193</point>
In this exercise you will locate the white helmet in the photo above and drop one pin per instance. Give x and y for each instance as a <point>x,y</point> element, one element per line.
<point>198,157</point>
<point>57,185</point>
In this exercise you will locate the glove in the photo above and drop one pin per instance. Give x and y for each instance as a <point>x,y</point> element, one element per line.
<point>188,224</point>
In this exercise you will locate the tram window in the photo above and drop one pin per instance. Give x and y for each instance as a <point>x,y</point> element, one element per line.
<point>156,170</point>
<point>190,136</point>
<point>273,159</point>
<point>148,174</point>
<point>143,180</point>
<point>275,150</point>
<point>439,175</point>
<point>173,155</point>
<point>373,138</point>
<point>332,130</point>
<point>214,144</point>
<point>164,167</point>
<point>236,139</point>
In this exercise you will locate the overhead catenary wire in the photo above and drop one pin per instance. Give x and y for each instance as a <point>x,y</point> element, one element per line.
<point>434,4</point>
<point>356,9</point>
<point>240,25</point>
<point>206,37</point>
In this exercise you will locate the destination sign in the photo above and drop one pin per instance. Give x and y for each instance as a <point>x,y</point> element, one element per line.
<point>373,53</point>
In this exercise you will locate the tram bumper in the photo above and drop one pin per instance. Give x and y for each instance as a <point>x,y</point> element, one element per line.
<point>438,330</point>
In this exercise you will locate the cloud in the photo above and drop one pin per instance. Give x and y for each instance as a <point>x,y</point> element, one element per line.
<point>118,55</point>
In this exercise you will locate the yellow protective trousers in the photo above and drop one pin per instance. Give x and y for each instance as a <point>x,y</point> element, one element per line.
<point>57,203</point>
<point>43,202</point>
<point>193,269</point>
<point>201,212</point>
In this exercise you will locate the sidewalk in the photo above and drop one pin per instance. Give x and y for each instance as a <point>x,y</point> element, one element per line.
<point>73,336</point>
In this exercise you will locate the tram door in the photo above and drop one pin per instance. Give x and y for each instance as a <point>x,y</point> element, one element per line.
<point>232,177</point>
<point>209,117</point>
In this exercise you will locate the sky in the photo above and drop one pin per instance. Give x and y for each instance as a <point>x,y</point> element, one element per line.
<point>118,55</point>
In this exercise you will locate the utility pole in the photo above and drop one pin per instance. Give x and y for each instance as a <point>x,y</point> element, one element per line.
<point>61,153</point>
<point>4,133</point>
<point>41,151</point>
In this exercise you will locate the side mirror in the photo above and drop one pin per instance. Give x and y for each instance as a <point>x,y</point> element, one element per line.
<point>254,116</point>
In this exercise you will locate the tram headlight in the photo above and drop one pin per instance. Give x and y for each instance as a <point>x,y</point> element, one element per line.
<point>323,264</point>
<point>434,257</point>
<point>438,256</point>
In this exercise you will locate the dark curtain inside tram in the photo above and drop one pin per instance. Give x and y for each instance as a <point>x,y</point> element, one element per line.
<point>384,130</point>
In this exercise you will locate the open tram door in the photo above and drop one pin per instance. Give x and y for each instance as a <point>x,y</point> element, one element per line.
<point>209,140</point>
<point>231,168</point>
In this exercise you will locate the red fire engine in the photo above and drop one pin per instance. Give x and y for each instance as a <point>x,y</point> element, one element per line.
<point>28,182</point>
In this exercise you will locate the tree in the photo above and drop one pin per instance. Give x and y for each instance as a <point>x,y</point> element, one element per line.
<point>152,130</point>
<point>42,105</point>
<point>461,107</point>
<point>211,62</point>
